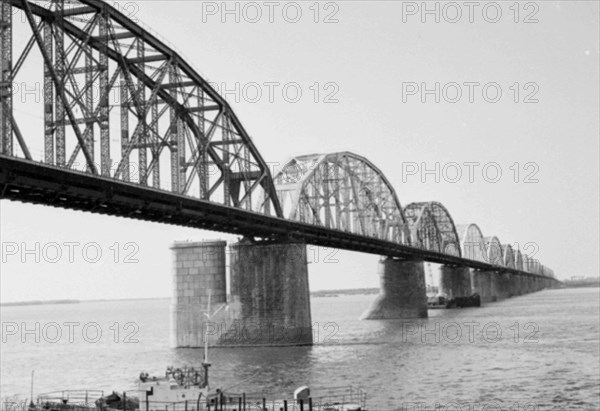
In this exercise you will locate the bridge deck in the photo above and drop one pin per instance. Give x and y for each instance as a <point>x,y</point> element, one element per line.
<point>34,182</point>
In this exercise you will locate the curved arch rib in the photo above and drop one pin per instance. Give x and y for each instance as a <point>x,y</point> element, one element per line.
<point>343,191</point>
<point>508,256</point>
<point>166,116</point>
<point>518,260</point>
<point>494,251</point>
<point>471,242</point>
<point>432,228</point>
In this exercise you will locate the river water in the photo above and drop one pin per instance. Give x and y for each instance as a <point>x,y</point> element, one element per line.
<point>534,352</point>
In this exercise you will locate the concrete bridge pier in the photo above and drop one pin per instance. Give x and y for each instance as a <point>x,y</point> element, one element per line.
<point>486,285</point>
<point>269,302</point>
<point>529,284</point>
<point>501,286</point>
<point>269,294</point>
<point>198,271</point>
<point>494,282</point>
<point>523,284</point>
<point>402,292</point>
<point>455,281</point>
<point>517,284</point>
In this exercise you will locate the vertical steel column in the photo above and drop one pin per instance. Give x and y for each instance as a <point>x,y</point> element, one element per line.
<point>181,153</point>
<point>174,135</point>
<point>226,178</point>
<point>6,134</point>
<point>337,199</point>
<point>49,124</point>
<point>155,146</point>
<point>59,65</point>
<point>247,183</point>
<point>124,97</point>
<point>89,102</point>
<point>203,163</point>
<point>105,161</point>
<point>326,194</point>
<point>143,130</point>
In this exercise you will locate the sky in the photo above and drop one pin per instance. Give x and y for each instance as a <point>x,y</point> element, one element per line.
<point>533,154</point>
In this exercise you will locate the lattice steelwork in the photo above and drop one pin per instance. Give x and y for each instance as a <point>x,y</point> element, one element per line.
<point>432,228</point>
<point>472,245</point>
<point>518,260</point>
<point>494,251</point>
<point>119,103</point>
<point>341,191</point>
<point>508,256</point>
<point>98,114</point>
<point>5,77</point>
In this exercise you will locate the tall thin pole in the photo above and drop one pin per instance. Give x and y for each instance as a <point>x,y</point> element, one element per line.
<point>31,404</point>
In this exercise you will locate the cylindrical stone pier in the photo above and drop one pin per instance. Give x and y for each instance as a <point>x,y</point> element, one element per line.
<point>514,284</point>
<point>485,285</point>
<point>494,284</point>
<point>402,292</point>
<point>455,281</point>
<point>269,287</point>
<point>504,284</point>
<point>198,271</point>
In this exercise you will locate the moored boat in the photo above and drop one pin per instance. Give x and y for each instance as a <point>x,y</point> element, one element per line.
<point>187,389</point>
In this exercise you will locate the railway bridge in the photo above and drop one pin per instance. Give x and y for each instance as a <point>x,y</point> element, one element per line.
<point>93,77</point>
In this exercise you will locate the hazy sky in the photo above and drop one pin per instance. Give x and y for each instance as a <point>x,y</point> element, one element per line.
<point>365,59</point>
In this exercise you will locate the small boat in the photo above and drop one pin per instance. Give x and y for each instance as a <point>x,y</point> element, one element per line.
<point>187,389</point>
<point>473,300</point>
<point>436,301</point>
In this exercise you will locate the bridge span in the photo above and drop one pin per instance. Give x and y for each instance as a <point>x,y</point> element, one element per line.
<point>183,157</point>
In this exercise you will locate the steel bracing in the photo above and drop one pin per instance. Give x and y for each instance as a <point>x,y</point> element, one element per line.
<point>432,228</point>
<point>119,103</point>
<point>342,191</point>
<point>98,114</point>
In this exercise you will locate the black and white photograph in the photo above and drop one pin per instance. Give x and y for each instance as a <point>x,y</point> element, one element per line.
<point>312,205</point>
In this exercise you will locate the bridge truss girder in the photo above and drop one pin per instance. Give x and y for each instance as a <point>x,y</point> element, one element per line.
<point>106,79</point>
<point>432,228</point>
<point>341,191</point>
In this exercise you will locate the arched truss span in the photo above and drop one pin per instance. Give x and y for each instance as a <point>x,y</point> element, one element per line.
<point>342,191</point>
<point>120,103</point>
<point>471,242</point>
<point>531,265</point>
<point>494,251</point>
<point>526,264</point>
<point>518,260</point>
<point>432,228</point>
<point>508,256</point>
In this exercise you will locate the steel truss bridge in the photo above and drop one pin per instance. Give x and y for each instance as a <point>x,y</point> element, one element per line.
<point>183,157</point>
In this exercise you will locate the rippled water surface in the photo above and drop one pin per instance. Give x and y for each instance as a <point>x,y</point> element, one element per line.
<point>539,351</point>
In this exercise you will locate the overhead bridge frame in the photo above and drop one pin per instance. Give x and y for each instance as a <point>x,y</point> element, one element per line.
<point>32,182</point>
<point>168,116</point>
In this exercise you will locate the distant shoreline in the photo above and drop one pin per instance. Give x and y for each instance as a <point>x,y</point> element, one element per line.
<point>336,293</point>
<point>318,293</point>
<point>38,302</point>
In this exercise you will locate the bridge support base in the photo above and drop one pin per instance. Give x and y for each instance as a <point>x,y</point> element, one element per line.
<point>485,285</point>
<point>504,286</point>
<point>519,285</point>
<point>402,292</point>
<point>270,293</point>
<point>455,281</point>
<point>198,271</point>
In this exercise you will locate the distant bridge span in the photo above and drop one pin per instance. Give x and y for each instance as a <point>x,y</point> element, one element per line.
<point>105,79</point>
